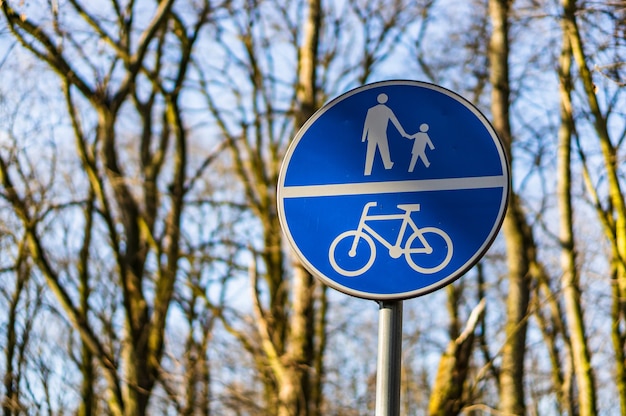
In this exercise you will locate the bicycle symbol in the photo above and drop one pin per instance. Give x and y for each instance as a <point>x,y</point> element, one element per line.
<point>416,249</point>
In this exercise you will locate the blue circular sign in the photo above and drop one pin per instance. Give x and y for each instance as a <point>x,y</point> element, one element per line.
<point>393,190</point>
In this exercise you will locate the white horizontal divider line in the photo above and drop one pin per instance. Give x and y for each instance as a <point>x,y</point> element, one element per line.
<point>363,188</point>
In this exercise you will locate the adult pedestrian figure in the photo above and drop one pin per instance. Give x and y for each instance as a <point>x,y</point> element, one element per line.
<point>419,147</point>
<point>375,132</point>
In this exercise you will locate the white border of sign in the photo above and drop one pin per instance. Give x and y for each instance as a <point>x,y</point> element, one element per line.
<point>283,192</point>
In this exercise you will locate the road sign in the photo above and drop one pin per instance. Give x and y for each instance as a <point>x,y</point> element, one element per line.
<point>393,190</point>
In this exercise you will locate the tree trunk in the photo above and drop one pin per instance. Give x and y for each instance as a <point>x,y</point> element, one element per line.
<point>87,367</point>
<point>295,392</point>
<point>614,217</point>
<point>570,278</point>
<point>517,233</point>
<point>447,397</point>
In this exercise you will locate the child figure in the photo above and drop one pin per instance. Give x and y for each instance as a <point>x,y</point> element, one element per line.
<point>419,147</point>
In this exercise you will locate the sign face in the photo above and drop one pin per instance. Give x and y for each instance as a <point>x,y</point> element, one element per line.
<point>393,190</point>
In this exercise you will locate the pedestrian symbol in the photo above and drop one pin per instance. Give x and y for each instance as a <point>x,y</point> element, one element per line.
<point>393,190</point>
<point>420,140</point>
<point>375,132</point>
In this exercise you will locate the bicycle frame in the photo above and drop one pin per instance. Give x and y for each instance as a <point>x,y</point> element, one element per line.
<point>395,250</point>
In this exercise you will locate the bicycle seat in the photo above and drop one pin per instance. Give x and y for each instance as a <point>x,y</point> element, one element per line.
<point>409,207</point>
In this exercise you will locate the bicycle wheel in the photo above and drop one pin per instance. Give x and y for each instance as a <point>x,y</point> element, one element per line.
<point>360,261</point>
<point>435,256</point>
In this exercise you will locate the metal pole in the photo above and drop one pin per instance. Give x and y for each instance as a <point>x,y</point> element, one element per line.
<point>389,358</point>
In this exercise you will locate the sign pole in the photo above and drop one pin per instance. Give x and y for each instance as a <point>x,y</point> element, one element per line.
<point>389,358</point>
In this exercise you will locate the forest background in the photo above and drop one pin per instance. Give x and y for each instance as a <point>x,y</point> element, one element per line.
<point>142,267</point>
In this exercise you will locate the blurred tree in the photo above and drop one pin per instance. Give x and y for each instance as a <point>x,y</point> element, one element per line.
<point>518,234</point>
<point>151,213</point>
<point>571,274</point>
<point>114,65</point>
<point>449,395</point>
<point>24,304</point>
<point>612,211</point>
